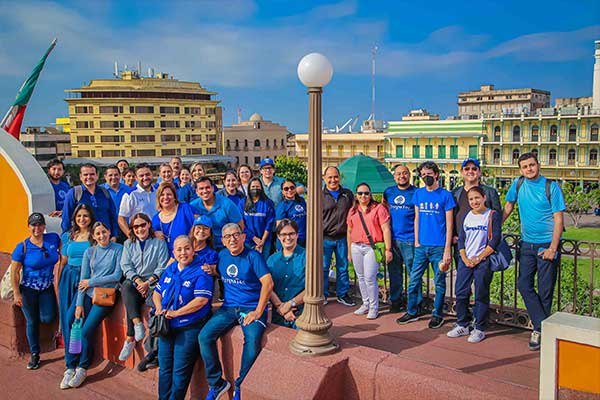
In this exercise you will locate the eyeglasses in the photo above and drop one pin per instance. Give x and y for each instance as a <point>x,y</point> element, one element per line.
<point>290,234</point>
<point>230,236</point>
<point>363,193</point>
<point>288,188</point>
<point>470,168</point>
<point>140,226</point>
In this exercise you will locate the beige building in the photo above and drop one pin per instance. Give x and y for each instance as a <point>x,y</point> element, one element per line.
<point>251,141</point>
<point>136,116</point>
<point>46,143</point>
<point>573,102</point>
<point>489,101</point>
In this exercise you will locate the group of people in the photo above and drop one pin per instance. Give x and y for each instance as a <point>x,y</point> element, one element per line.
<point>175,244</point>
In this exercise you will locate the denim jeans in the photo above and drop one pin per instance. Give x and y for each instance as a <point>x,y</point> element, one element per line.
<point>67,292</point>
<point>222,321</point>
<point>538,304</point>
<point>366,268</point>
<point>342,281</point>
<point>39,306</point>
<point>177,354</point>
<point>425,255</point>
<point>482,275</point>
<point>403,252</point>
<point>93,315</point>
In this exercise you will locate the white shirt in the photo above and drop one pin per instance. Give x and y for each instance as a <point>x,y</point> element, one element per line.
<point>476,232</point>
<point>138,201</point>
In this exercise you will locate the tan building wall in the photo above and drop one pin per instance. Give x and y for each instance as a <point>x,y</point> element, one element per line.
<point>487,100</point>
<point>251,141</point>
<point>46,144</point>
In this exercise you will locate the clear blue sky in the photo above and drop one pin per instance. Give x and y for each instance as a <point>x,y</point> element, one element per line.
<point>247,51</point>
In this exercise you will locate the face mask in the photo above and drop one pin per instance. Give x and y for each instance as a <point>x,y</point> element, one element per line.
<point>429,180</point>
<point>255,192</point>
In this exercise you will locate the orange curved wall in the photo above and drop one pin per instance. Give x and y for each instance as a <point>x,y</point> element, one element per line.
<point>14,208</point>
<point>578,367</point>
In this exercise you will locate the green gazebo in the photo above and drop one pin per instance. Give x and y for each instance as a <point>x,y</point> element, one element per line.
<point>363,168</point>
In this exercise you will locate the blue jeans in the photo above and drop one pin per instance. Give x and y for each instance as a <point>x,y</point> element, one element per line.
<point>538,304</point>
<point>67,291</point>
<point>222,321</point>
<point>403,252</point>
<point>93,315</point>
<point>39,306</point>
<point>425,255</point>
<point>342,281</point>
<point>177,354</point>
<point>482,275</point>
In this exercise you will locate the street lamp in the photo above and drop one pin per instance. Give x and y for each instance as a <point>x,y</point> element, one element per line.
<point>315,71</point>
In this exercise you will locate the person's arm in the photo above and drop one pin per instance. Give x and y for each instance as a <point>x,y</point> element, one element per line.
<point>68,208</point>
<point>15,270</point>
<point>127,266</point>
<point>84,276</point>
<point>157,300</point>
<point>417,244</point>
<point>112,218</point>
<point>122,221</point>
<point>449,231</point>
<point>550,252</point>
<point>387,239</point>
<point>285,307</point>
<point>349,241</point>
<point>193,306</point>
<point>265,293</point>
<point>162,261</point>
<point>116,274</point>
<point>508,208</point>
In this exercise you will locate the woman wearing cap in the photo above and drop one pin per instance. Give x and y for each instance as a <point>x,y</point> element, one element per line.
<point>292,207</point>
<point>183,295</point>
<point>231,190</point>
<point>143,261</point>
<point>259,218</point>
<point>32,269</point>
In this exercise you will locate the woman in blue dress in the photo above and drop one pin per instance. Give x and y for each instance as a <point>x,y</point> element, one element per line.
<point>231,190</point>
<point>292,207</point>
<point>259,218</point>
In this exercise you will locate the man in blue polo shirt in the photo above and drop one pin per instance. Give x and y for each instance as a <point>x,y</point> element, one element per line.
<point>116,189</point>
<point>56,171</point>
<point>248,286</point>
<point>541,228</point>
<point>398,199</point>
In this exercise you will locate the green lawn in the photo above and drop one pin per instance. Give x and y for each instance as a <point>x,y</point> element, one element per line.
<point>590,234</point>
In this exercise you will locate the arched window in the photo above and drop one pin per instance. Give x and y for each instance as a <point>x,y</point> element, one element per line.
<point>571,157</point>
<point>282,144</point>
<point>496,156</point>
<point>572,133</point>
<point>516,136</point>
<point>237,143</point>
<point>593,157</point>
<point>497,134</point>
<point>245,142</point>
<point>594,132</point>
<point>535,133</point>
<point>515,155</point>
<point>552,157</point>
<point>535,153</point>
<point>228,144</point>
<point>267,143</point>
<point>257,143</point>
<point>553,133</point>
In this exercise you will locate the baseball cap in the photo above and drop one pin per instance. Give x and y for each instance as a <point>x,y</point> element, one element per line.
<point>267,161</point>
<point>203,220</point>
<point>471,160</point>
<point>36,218</point>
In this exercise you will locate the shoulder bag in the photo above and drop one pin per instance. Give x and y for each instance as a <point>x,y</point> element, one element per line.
<point>501,258</point>
<point>378,248</point>
<point>158,324</point>
<point>105,297</point>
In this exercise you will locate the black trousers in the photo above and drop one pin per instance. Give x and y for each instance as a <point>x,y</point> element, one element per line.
<point>133,301</point>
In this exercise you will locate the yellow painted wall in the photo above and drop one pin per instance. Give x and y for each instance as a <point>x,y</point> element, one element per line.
<point>578,367</point>
<point>14,206</point>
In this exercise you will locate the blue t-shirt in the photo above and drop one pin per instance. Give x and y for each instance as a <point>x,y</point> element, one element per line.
<point>73,250</point>
<point>207,255</point>
<point>258,220</point>
<point>222,212</point>
<point>186,193</point>
<point>178,288</point>
<point>60,191</point>
<point>535,211</point>
<point>288,273</point>
<point>241,277</point>
<point>432,215</point>
<point>239,198</point>
<point>402,212</point>
<point>179,225</point>
<point>273,191</point>
<point>38,262</point>
<point>117,195</point>
<point>296,211</point>
<point>335,194</point>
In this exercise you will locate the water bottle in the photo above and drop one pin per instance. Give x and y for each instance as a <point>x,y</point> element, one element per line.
<point>75,337</point>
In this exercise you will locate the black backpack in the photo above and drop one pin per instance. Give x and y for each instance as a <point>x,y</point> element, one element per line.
<point>78,192</point>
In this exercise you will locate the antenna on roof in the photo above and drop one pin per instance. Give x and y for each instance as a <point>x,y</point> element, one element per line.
<point>139,68</point>
<point>116,73</point>
<point>373,55</point>
<point>239,115</point>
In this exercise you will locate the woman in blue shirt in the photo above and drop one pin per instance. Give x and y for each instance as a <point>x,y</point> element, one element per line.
<point>259,218</point>
<point>184,295</point>
<point>101,268</point>
<point>231,190</point>
<point>173,218</point>
<point>32,269</point>
<point>185,191</point>
<point>292,207</point>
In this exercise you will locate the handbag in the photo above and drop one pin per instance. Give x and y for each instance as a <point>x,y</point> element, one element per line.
<point>158,324</point>
<point>499,260</point>
<point>378,248</point>
<point>75,337</point>
<point>105,297</point>
<point>6,288</point>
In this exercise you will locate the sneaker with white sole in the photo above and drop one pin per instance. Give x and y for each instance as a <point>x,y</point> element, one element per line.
<point>78,378</point>
<point>373,313</point>
<point>362,310</point>
<point>67,376</point>
<point>126,350</point>
<point>458,331</point>
<point>140,331</point>
<point>476,336</point>
<point>216,392</point>
<point>535,341</point>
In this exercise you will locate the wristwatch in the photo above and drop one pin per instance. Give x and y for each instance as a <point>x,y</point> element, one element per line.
<point>293,303</point>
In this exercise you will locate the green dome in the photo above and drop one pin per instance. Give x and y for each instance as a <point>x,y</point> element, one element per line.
<point>363,168</point>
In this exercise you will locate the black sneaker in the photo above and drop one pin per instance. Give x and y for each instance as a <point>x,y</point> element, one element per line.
<point>148,362</point>
<point>436,322</point>
<point>407,318</point>
<point>34,363</point>
<point>396,307</point>
<point>535,341</point>
<point>346,300</point>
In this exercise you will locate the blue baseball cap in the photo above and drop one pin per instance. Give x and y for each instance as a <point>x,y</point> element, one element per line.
<point>471,160</point>
<point>203,220</point>
<point>267,161</point>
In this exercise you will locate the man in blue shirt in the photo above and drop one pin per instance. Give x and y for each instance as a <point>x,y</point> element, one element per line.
<point>117,190</point>
<point>248,286</point>
<point>94,196</point>
<point>541,228</point>
<point>271,183</point>
<point>433,239</point>
<point>398,199</point>
<point>56,171</point>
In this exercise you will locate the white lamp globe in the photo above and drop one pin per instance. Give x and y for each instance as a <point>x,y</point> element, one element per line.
<point>315,70</point>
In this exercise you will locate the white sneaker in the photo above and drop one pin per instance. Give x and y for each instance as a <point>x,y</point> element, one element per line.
<point>373,313</point>
<point>326,301</point>
<point>78,378</point>
<point>126,350</point>
<point>67,376</point>
<point>362,310</point>
<point>458,331</point>
<point>476,336</point>
<point>140,331</point>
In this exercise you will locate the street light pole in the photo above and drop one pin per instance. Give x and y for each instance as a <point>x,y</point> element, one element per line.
<point>313,338</point>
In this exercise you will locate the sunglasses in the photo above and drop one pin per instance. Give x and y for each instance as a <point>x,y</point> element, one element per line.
<point>470,168</point>
<point>140,226</point>
<point>288,188</point>
<point>45,252</point>
<point>363,193</point>
<point>290,234</point>
<point>232,236</point>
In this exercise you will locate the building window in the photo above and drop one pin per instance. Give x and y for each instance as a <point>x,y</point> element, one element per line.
<point>572,133</point>
<point>328,151</point>
<point>366,149</point>
<point>516,134</point>
<point>194,152</point>
<point>171,152</point>
<point>211,150</point>
<point>141,124</point>
<point>113,153</point>
<point>428,151</point>
<point>535,133</point>
<point>497,134</point>
<point>593,157</point>
<point>84,124</point>
<point>441,151</point>
<point>256,160</point>
<point>169,124</point>
<point>84,153</point>
<point>473,151</point>
<point>193,138</point>
<point>245,144</point>
<point>552,157</point>
<point>169,110</point>
<point>111,124</point>
<point>246,160</point>
<point>170,138</point>
<point>515,155</point>
<point>571,157</point>
<point>340,151</point>
<point>211,124</point>
<point>399,151</point>
<point>84,110</point>
<point>454,151</point>
<point>112,139</point>
<point>141,109</point>
<point>553,133</point>
<point>85,139</point>
<point>380,153</point>
<point>192,110</point>
<point>594,132</point>
<point>353,150</point>
<point>111,109</point>
<point>143,138</point>
<point>256,143</point>
<point>228,145</point>
<point>193,124</point>
<point>416,151</point>
<point>303,150</point>
<point>282,143</point>
<point>535,153</point>
<point>143,153</point>
<point>210,110</point>
<point>496,156</point>
<point>267,144</point>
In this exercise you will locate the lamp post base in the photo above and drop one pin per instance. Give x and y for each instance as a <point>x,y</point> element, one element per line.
<point>313,344</point>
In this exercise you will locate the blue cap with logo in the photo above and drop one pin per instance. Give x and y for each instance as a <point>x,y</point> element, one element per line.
<point>267,161</point>
<point>203,220</point>
<point>471,160</point>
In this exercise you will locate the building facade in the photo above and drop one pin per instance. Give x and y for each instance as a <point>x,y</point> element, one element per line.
<point>46,143</point>
<point>136,116</point>
<point>487,100</point>
<point>446,142</point>
<point>251,141</point>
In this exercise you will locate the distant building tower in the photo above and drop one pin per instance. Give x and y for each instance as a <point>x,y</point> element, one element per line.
<point>596,91</point>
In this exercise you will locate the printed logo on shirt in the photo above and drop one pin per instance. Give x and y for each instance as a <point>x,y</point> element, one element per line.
<point>299,208</point>
<point>399,200</point>
<point>168,279</point>
<point>232,270</point>
<point>476,228</point>
<point>429,207</point>
<point>62,194</point>
<point>187,284</point>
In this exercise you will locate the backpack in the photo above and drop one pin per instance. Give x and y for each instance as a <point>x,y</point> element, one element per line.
<point>78,192</point>
<point>548,183</point>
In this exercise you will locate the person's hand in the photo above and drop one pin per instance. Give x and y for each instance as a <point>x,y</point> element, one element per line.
<point>143,287</point>
<point>210,269</point>
<point>84,284</point>
<point>388,256</point>
<point>251,317</point>
<point>258,241</point>
<point>258,248</point>
<point>548,254</point>
<point>170,314</point>
<point>417,244</point>
<point>349,258</point>
<point>78,312</point>
<point>447,257</point>
<point>18,299</point>
<point>113,239</point>
<point>454,239</point>
<point>159,235</point>
<point>57,213</point>
<point>289,316</point>
<point>284,308</point>
<point>159,311</point>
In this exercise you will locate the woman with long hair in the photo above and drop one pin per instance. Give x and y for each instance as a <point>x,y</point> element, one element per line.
<point>292,207</point>
<point>143,261</point>
<point>185,189</point>
<point>368,224</point>
<point>231,190</point>
<point>259,218</point>
<point>244,172</point>
<point>197,171</point>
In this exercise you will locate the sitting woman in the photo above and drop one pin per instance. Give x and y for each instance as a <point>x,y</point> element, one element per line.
<point>259,218</point>
<point>100,270</point>
<point>287,269</point>
<point>143,261</point>
<point>183,295</point>
<point>32,269</point>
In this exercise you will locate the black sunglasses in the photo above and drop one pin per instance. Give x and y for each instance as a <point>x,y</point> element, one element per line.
<point>45,252</point>
<point>363,193</point>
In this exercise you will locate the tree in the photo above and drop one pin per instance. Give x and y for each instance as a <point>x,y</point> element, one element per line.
<point>578,201</point>
<point>291,168</point>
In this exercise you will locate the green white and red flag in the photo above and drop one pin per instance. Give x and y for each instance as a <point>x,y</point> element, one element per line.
<point>13,119</point>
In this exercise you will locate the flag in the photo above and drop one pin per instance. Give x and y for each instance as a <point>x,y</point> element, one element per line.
<point>13,119</point>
